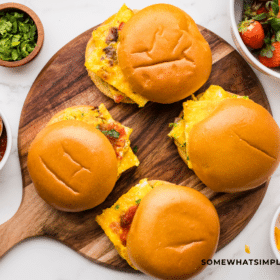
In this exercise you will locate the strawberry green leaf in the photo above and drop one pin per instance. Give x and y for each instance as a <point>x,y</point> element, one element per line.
<point>275,8</point>
<point>277,36</point>
<point>243,25</point>
<point>267,51</point>
<point>267,41</point>
<point>260,16</point>
<point>273,5</point>
<point>275,24</point>
<point>247,10</point>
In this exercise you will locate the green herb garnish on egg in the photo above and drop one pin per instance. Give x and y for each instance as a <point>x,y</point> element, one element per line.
<point>173,125</point>
<point>138,201</point>
<point>111,133</point>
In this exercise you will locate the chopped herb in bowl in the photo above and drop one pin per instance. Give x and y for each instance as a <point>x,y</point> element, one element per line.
<point>18,35</point>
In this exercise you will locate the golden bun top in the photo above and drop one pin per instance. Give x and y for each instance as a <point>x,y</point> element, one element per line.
<point>163,55</point>
<point>236,148</point>
<point>173,230</point>
<point>72,165</point>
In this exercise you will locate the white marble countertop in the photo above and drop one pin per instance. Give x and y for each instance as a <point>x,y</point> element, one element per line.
<point>45,259</point>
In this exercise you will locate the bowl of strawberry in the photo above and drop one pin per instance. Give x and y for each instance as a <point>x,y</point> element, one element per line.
<point>256,33</point>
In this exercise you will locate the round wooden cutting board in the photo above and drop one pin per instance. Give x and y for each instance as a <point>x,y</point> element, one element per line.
<point>64,82</point>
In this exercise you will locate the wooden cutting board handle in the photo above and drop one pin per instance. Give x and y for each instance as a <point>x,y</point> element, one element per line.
<point>19,227</point>
<point>27,222</point>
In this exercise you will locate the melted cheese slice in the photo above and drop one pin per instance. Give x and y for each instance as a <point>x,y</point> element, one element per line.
<point>98,117</point>
<point>98,63</point>
<point>195,111</point>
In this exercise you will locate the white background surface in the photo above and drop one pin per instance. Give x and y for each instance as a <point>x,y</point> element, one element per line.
<point>45,259</point>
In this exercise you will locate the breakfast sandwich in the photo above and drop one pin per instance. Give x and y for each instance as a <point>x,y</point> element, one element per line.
<point>194,111</point>
<point>100,118</point>
<point>156,224</point>
<point>230,142</point>
<point>102,61</point>
<point>155,54</point>
<point>76,159</point>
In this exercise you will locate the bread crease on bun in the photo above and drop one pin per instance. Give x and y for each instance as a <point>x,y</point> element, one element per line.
<point>230,142</point>
<point>162,229</point>
<point>72,165</point>
<point>155,54</point>
<point>163,55</point>
<point>82,176</point>
<point>117,133</point>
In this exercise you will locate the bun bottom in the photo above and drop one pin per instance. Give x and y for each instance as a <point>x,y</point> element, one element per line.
<point>182,154</point>
<point>182,150</point>
<point>103,86</point>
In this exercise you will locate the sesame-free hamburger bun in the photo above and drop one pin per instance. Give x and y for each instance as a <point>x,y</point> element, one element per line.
<point>235,148</point>
<point>163,55</point>
<point>155,54</point>
<point>173,230</point>
<point>72,165</point>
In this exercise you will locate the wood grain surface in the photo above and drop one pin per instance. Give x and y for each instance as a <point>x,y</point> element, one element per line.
<point>64,82</point>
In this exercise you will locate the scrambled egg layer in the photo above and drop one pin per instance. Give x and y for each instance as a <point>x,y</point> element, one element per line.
<point>195,111</point>
<point>109,220</point>
<point>103,67</point>
<point>99,117</point>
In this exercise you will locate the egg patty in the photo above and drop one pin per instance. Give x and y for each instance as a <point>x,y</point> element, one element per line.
<point>117,134</point>
<point>195,111</point>
<point>116,220</point>
<point>102,59</point>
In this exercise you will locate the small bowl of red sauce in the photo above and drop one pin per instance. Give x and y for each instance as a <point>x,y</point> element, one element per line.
<point>5,140</point>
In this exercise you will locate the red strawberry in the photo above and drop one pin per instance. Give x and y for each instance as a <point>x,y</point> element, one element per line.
<point>262,10</point>
<point>270,56</point>
<point>251,33</point>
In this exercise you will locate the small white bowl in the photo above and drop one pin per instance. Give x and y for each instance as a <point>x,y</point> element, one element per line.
<point>9,140</point>
<point>236,9</point>
<point>275,221</point>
